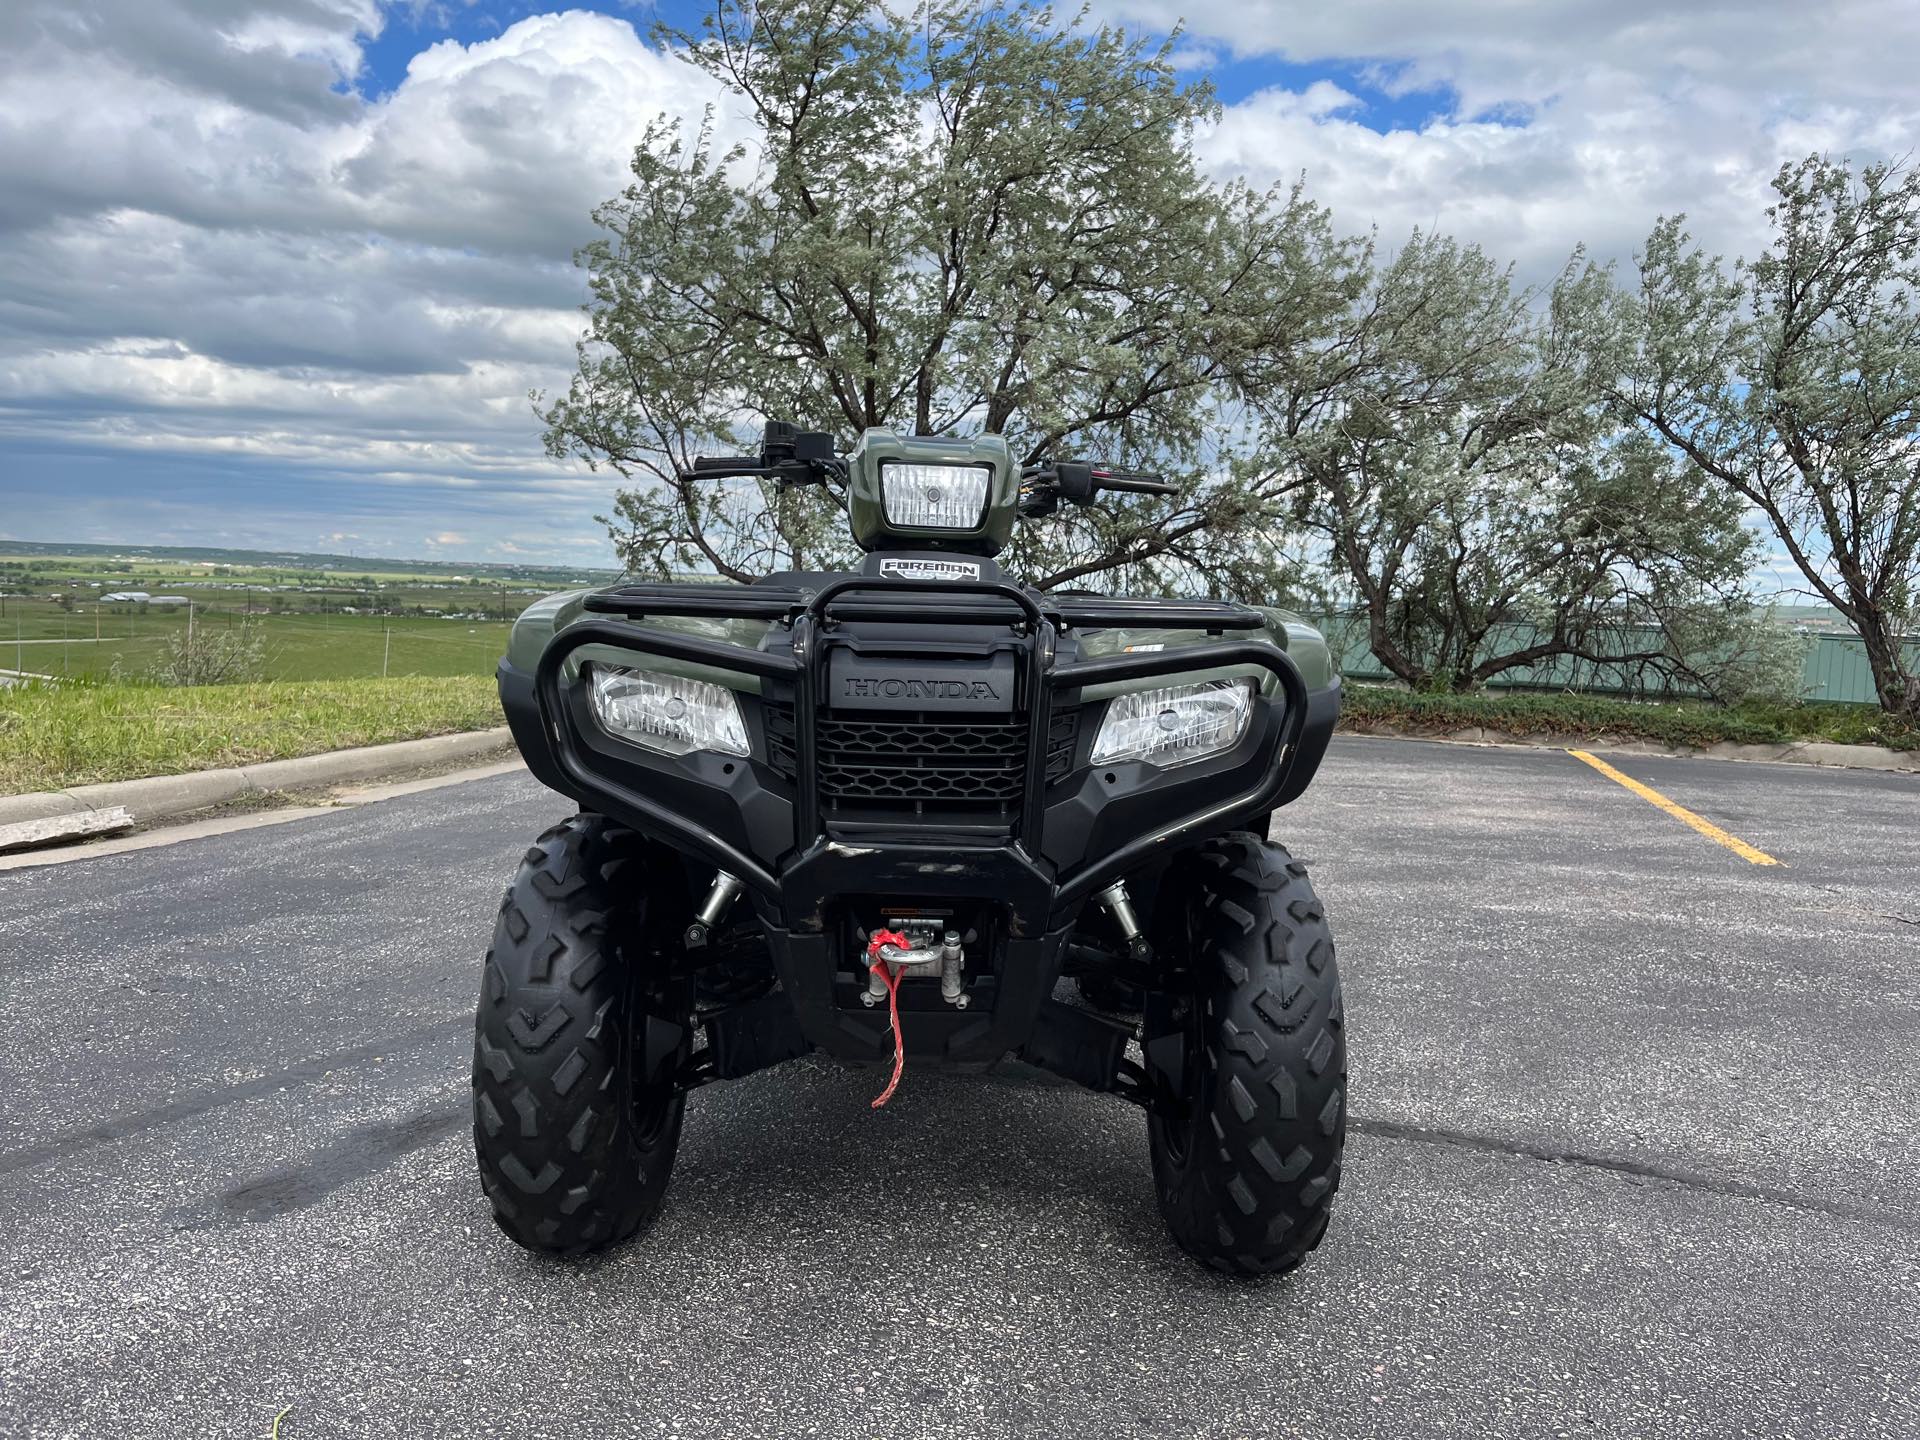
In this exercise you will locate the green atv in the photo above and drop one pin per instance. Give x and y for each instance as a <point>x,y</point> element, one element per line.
<point>882,815</point>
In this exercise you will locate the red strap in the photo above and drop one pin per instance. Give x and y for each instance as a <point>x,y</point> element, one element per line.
<point>885,937</point>
<point>892,982</point>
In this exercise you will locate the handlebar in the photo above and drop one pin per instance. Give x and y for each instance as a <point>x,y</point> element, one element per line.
<point>1048,482</point>
<point>786,472</point>
<point>1133,482</point>
<point>791,456</point>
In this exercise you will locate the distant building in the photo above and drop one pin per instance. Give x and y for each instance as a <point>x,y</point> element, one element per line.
<point>169,600</point>
<point>126,597</point>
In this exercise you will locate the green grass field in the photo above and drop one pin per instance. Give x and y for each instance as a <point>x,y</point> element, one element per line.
<point>415,660</point>
<point>327,621</point>
<point>56,736</point>
<point>38,637</point>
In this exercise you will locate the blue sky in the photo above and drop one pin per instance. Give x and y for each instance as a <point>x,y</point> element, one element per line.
<point>281,272</point>
<point>1234,77</point>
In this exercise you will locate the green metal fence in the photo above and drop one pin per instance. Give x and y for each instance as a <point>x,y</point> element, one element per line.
<point>1837,669</point>
<point>1836,664</point>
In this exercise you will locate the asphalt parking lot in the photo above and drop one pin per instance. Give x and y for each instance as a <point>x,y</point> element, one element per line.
<point>1637,1153</point>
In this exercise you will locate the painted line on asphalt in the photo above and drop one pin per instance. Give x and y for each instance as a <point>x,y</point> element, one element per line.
<point>1679,812</point>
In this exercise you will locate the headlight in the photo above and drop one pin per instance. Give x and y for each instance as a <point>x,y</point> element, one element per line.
<point>1174,725</point>
<point>667,713</point>
<point>935,497</point>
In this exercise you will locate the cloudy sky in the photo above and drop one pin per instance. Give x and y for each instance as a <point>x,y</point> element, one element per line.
<point>281,272</point>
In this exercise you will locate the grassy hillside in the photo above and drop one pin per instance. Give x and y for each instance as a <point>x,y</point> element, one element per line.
<point>55,736</point>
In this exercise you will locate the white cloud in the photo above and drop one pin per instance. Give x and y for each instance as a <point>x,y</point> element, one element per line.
<point>366,288</point>
<point>509,143</point>
<point>1563,123</point>
<point>1776,51</point>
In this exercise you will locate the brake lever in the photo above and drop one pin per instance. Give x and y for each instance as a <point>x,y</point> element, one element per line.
<point>1037,502</point>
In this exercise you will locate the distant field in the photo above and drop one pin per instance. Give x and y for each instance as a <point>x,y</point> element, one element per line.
<point>24,561</point>
<point>332,628</point>
<point>39,637</point>
<point>326,619</point>
<point>86,561</point>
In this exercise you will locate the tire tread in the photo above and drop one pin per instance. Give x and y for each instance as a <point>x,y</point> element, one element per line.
<point>560,1160</point>
<point>1250,1190</point>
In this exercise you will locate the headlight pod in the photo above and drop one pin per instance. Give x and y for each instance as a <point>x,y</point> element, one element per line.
<point>667,713</point>
<point>935,497</point>
<point>1174,725</point>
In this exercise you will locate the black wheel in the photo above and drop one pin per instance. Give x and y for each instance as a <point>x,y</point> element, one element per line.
<point>1248,1117</point>
<point>574,1139</point>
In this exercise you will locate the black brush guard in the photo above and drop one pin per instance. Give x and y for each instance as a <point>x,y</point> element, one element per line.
<point>794,895</point>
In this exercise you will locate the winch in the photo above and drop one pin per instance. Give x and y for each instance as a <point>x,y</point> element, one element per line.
<point>912,947</point>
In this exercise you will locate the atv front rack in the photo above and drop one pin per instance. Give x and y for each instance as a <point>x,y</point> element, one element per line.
<point>811,617</point>
<point>786,603</point>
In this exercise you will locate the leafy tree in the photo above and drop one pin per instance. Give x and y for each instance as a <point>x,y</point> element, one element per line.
<point>978,219</point>
<point>1470,494</point>
<point>1794,381</point>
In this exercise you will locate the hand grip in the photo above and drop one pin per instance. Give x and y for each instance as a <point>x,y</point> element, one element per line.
<point>1134,483</point>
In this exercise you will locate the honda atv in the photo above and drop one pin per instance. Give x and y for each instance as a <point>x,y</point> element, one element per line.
<point>883,815</point>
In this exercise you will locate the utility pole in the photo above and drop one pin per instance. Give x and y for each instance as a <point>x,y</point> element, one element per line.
<point>189,639</point>
<point>387,653</point>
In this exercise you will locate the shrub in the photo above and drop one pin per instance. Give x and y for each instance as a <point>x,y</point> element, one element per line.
<point>211,657</point>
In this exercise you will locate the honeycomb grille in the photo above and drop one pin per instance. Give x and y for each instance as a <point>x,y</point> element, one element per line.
<point>919,764</point>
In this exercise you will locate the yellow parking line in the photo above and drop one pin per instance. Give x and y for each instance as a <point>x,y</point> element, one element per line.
<point>1679,812</point>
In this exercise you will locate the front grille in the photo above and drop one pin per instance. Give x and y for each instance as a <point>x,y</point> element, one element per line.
<point>920,764</point>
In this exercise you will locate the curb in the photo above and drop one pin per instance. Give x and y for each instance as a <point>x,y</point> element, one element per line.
<point>162,795</point>
<point>1799,752</point>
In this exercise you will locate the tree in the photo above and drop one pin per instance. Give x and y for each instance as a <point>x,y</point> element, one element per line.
<point>978,219</point>
<point>1794,381</point>
<point>1470,495</point>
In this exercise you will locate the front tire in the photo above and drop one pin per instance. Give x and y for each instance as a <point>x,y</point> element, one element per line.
<point>1248,1120</point>
<point>574,1140</point>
